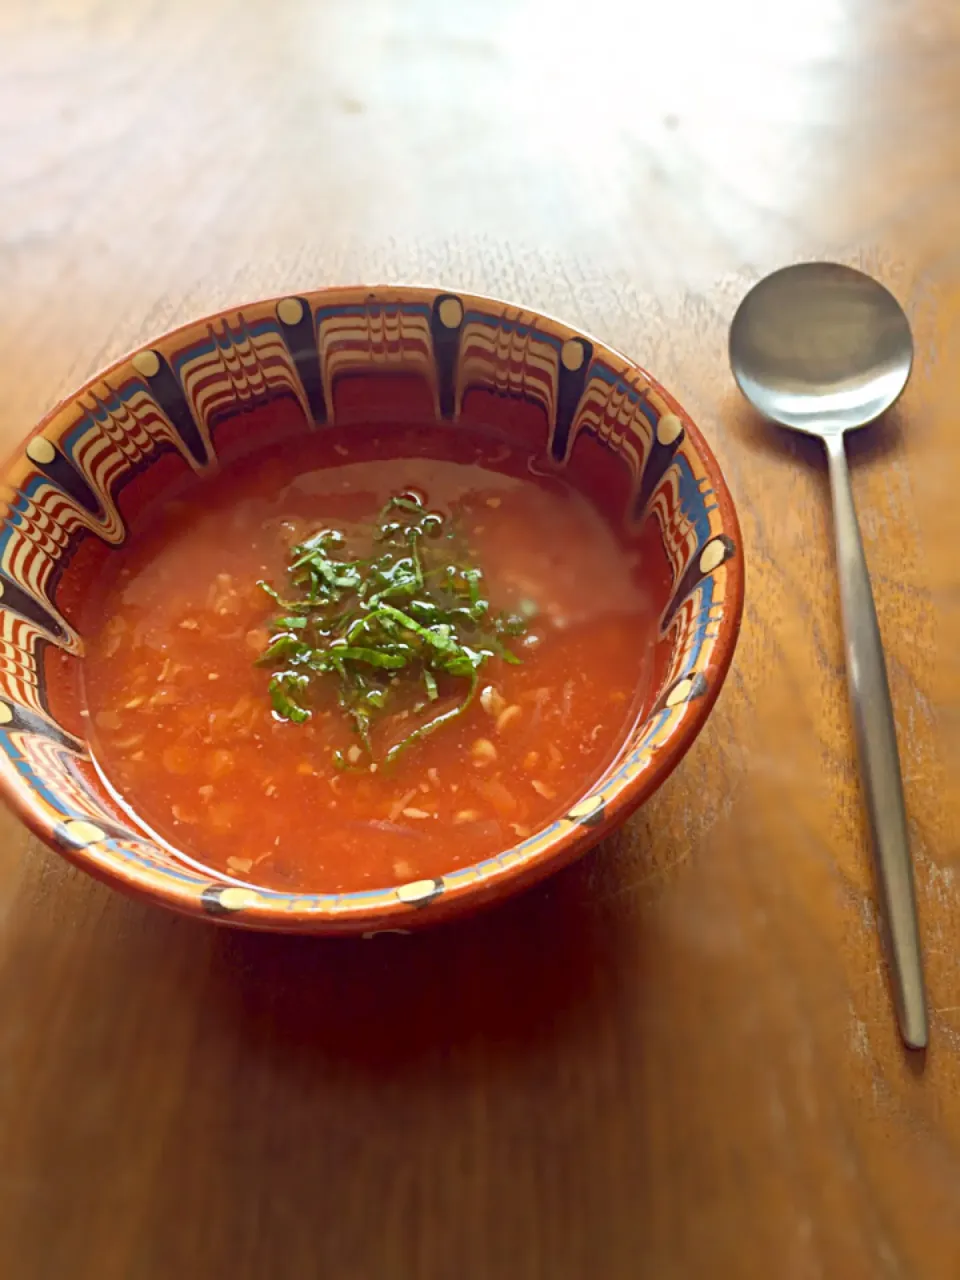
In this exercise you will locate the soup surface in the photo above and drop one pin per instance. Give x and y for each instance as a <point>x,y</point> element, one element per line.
<point>178,691</point>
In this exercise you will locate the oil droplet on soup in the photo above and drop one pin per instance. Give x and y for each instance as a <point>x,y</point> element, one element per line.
<point>183,727</point>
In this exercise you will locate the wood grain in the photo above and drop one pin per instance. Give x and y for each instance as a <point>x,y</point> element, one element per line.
<point>678,1058</point>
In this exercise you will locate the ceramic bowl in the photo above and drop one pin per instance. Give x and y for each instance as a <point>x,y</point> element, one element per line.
<point>352,356</point>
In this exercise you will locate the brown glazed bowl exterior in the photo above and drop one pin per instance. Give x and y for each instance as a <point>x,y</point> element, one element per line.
<point>350,358</point>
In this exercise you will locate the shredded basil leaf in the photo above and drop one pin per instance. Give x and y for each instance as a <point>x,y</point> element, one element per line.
<point>409,613</point>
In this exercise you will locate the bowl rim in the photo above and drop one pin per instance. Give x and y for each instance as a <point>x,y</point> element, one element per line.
<point>322,912</point>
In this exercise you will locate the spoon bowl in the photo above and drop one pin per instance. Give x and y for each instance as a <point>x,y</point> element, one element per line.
<point>821,348</point>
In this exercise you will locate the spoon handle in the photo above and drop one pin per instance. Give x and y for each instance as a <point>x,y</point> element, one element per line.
<point>877,746</point>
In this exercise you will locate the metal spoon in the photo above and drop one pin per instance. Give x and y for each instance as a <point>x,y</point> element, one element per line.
<point>825,349</point>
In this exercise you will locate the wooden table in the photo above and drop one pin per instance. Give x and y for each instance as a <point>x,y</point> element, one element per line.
<point>678,1058</point>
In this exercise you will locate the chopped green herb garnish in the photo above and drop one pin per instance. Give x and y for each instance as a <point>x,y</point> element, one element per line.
<point>408,617</point>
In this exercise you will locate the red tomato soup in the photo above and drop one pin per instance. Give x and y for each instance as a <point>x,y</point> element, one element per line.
<point>187,734</point>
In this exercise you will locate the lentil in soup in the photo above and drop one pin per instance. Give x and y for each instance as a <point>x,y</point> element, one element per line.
<point>364,657</point>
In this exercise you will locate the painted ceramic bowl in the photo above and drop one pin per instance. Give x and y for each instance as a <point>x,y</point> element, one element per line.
<point>352,356</point>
